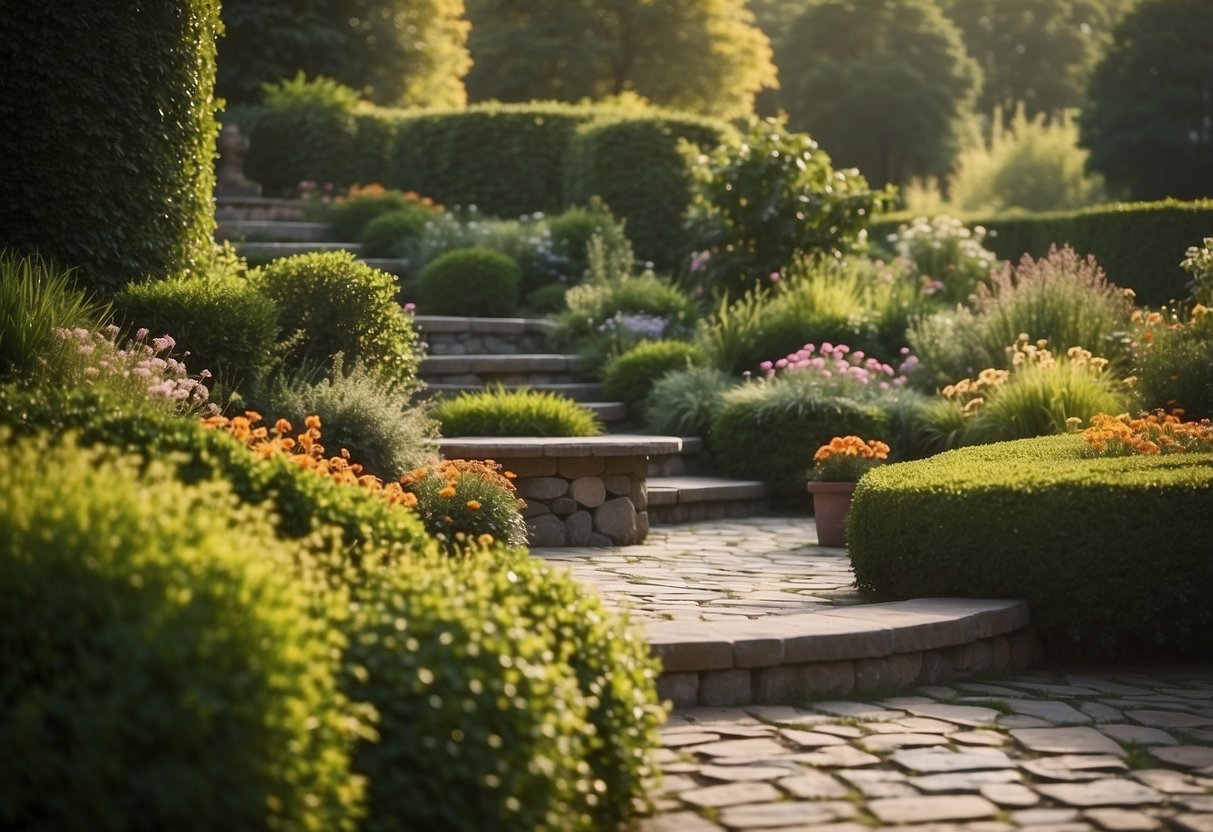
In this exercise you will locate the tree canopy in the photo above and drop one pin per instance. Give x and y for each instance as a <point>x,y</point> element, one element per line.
<point>1039,52</point>
<point>393,52</point>
<point>1149,118</point>
<point>884,85</point>
<point>704,56</point>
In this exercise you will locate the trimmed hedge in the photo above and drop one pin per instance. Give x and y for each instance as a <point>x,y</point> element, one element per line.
<point>165,667</point>
<point>1111,554</point>
<point>1138,244</point>
<point>770,431</point>
<point>626,162</point>
<point>497,411</point>
<point>630,377</point>
<point>107,152</point>
<point>474,281</point>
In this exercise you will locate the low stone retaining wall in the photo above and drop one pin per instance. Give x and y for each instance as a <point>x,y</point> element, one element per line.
<point>447,335</point>
<point>581,491</point>
<point>782,659</point>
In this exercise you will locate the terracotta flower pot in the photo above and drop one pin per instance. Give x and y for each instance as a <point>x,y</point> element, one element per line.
<point>831,501</point>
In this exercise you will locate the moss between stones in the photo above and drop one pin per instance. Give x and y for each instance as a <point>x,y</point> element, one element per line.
<point>1112,554</point>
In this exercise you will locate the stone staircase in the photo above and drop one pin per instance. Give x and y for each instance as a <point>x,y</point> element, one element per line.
<point>470,353</point>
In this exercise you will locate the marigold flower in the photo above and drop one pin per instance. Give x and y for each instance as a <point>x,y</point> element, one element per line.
<point>474,505</point>
<point>447,492</point>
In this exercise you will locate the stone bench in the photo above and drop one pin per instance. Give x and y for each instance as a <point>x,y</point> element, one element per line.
<point>579,491</point>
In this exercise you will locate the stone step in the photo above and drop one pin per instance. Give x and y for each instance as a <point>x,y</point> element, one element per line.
<point>511,369</point>
<point>448,335</point>
<point>259,208</point>
<point>400,268</point>
<point>693,461</point>
<point>577,391</point>
<point>241,231</point>
<point>685,499</point>
<point>263,252</point>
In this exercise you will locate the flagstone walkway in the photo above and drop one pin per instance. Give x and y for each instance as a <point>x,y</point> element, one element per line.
<point>1059,750</point>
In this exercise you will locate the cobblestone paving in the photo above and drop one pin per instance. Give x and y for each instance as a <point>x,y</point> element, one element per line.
<point>717,570</point>
<point>1050,751</point>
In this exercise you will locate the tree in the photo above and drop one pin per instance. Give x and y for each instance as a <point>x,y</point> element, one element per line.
<point>1149,120</point>
<point>394,52</point>
<point>1039,52</point>
<point>884,85</point>
<point>704,56</point>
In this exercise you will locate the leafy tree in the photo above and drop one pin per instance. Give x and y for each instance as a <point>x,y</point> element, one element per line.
<point>884,85</point>
<point>1149,121</point>
<point>394,52</point>
<point>705,56</point>
<point>1040,52</point>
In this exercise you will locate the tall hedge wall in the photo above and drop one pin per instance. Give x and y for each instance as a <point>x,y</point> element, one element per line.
<point>1139,244</point>
<point>108,139</point>
<point>506,159</point>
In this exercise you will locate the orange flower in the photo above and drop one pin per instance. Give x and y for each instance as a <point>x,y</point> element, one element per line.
<point>447,492</point>
<point>474,505</point>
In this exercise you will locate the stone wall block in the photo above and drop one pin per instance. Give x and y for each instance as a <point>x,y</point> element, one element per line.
<point>563,506</point>
<point>618,485</point>
<point>680,688</point>
<point>533,467</point>
<point>588,491</point>
<point>617,520</point>
<point>579,526</point>
<point>724,688</point>
<point>581,466</point>
<point>546,530</point>
<point>543,488</point>
<point>888,672</point>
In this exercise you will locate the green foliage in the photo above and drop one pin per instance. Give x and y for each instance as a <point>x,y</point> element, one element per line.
<point>683,402</point>
<point>770,430</point>
<point>1173,363</point>
<point>399,52</point>
<point>761,199</point>
<point>884,86</point>
<point>1113,234</point>
<point>467,505</point>
<point>363,413</point>
<point>223,324</point>
<point>657,188</point>
<point>1198,262</point>
<point>35,300</point>
<point>348,217</point>
<point>946,343</point>
<point>1135,580</point>
<point>168,667</point>
<point>106,158</point>
<point>630,377</point>
<point>500,412</point>
<point>470,281</point>
<point>1147,143</point>
<point>1029,165</point>
<point>330,302</point>
<point>508,698</point>
<point>388,234</point>
<point>572,231</point>
<point>703,56</point>
<point>1037,52</point>
<point>304,131</point>
<point>1061,298</point>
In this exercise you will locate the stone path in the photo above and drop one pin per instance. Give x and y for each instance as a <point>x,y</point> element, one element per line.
<point>1049,751</point>
<point>1063,750</point>
<point>717,571</point>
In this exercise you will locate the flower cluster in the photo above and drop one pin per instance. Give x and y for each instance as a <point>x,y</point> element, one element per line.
<point>946,257</point>
<point>837,369</point>
<point>971,394</point>
<point>636,324</point>
<point>465,500</point>
<point>847,458</point>
<point>141,367</point>
<point>304,449</point>
<point>1149,434</point>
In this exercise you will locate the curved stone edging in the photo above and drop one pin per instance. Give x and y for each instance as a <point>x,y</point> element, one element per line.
<point>782,658</point>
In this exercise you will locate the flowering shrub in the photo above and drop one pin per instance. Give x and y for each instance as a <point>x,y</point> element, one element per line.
<point>466,502</point>
<point>1173,359</point>
<point>944,255</point>
<point>847,458</point>
<point>837,370</point>
<point>1198,262</point>
<point>136,368</point>
<point>1148,434</point>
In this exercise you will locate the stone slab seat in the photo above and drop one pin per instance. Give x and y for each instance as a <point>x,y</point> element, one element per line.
<point>839,650</point>
<point>579,491</point>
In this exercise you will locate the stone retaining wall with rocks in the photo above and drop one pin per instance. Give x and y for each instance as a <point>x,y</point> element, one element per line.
<point>582,491</point>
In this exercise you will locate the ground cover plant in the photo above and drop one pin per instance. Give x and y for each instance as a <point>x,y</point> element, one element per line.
<point>497,411</point>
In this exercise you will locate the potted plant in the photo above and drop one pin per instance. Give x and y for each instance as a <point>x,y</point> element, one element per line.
<point>837,467</point>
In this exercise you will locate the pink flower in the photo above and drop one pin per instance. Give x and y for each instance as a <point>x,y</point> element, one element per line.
<point>141,334</point>
<point>774,276</point>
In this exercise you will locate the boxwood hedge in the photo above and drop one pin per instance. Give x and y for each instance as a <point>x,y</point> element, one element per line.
<point>1111,554</point>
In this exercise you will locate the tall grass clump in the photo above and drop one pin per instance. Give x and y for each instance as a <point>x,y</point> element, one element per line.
<point>500,412</point>
<point>683,402</point>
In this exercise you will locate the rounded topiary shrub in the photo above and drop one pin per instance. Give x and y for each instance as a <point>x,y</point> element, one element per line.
<point>500,412</point>
<point>330,302</point>
<point>770,430</point>
<point>123,191</point>
<point>469,281</point>
<point>167,667</point>
<point>630,377</point>
<point>385,235</point>
<point>508,699</point>
<point>1110,553</point>
<point>351,215</point>
<point>223,324</point>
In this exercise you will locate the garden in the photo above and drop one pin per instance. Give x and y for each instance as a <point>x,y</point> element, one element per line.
<point>244,590</point>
